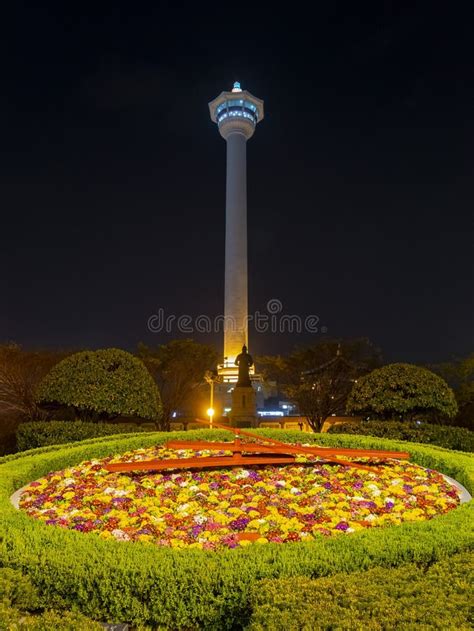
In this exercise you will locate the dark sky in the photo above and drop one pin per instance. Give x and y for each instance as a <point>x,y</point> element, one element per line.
<point>360,178</point>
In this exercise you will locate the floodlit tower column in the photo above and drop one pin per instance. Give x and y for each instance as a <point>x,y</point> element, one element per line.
<point>236,114</point>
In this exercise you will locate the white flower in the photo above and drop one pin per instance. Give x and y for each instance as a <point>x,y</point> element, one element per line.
<point>243,474</point>
<point>370,518</point>
<point>200,519</point>
<point>116,492</point>
<point>294,490</point>
<point>120,534</point>
<point>374,489</point>
<point>396,482</point>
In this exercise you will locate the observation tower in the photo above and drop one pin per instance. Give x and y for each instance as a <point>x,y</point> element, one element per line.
<point>236,113</point>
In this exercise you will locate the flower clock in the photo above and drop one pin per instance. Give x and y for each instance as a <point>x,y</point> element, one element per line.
<point>231,506</point>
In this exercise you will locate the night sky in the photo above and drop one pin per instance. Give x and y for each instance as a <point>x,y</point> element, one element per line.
<point>360,178</point>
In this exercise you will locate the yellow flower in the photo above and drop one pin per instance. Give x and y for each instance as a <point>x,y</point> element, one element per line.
<point>420,488</point>
<point>234,510</point>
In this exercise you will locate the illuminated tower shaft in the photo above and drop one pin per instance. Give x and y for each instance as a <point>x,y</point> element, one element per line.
<point>236,113</point>
<point>236,288</point>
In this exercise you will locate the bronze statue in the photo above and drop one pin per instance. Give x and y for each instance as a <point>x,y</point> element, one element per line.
<point>244,361</point>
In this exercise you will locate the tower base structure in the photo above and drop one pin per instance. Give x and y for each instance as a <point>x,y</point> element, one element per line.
<point>244,407</point>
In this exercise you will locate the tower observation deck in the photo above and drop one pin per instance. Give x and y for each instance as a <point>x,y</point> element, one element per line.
<point>236,113</point>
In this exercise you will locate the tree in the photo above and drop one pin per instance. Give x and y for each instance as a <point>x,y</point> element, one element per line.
<point>402,390</point>
<point>100,385</point>
<point>20,373</point>
<point>459,374</point>
<point>318,379</point>
<point>178,369</point>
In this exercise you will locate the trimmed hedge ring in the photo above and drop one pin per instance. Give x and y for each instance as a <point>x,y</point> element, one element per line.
<point>185,589</point>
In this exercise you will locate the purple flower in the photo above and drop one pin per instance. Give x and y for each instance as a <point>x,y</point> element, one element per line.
<point>327,485</point>
<point>239,524</point>
<point>357,485</point>
<point>389,504</point>
<point>342,525</point>
<point>119,500</point>
<point>196,530</point>
<point>367,504</point>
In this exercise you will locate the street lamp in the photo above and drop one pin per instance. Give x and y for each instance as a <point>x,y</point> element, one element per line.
<point>210,413</point>
<point>212,377</point>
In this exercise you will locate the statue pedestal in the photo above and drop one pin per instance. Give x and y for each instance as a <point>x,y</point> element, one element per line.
<point>244,408</point>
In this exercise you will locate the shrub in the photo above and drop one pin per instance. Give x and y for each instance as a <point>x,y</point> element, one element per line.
<point>19,596</point>
<point>102,384</point>
<point>443,435</point>
<point>16,590</point>
<point>435,597</point>
<point>40,434</point>
<point>402,390</point>
<point>12,618</point>
<point>186,589</point>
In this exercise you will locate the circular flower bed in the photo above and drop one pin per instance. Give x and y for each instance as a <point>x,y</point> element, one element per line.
<point>213,509</point>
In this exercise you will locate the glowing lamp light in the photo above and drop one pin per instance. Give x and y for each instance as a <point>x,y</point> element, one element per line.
<point>236,87</point>
<point>210,412</point>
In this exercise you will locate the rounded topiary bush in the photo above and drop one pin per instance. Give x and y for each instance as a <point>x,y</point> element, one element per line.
<point>402,390</point>
<point>102,384</point>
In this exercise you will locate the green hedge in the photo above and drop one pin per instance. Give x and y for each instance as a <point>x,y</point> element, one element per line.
<point>186,589</point>
<point>19,597</point>
<point>446,436</point>
<point>435,597</point>
<point>39,434</point>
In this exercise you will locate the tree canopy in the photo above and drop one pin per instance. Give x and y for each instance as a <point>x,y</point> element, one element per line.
<point>319,378</point>
<point>178,369</point>
<point>402,390</point>
<point>459,373</point>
